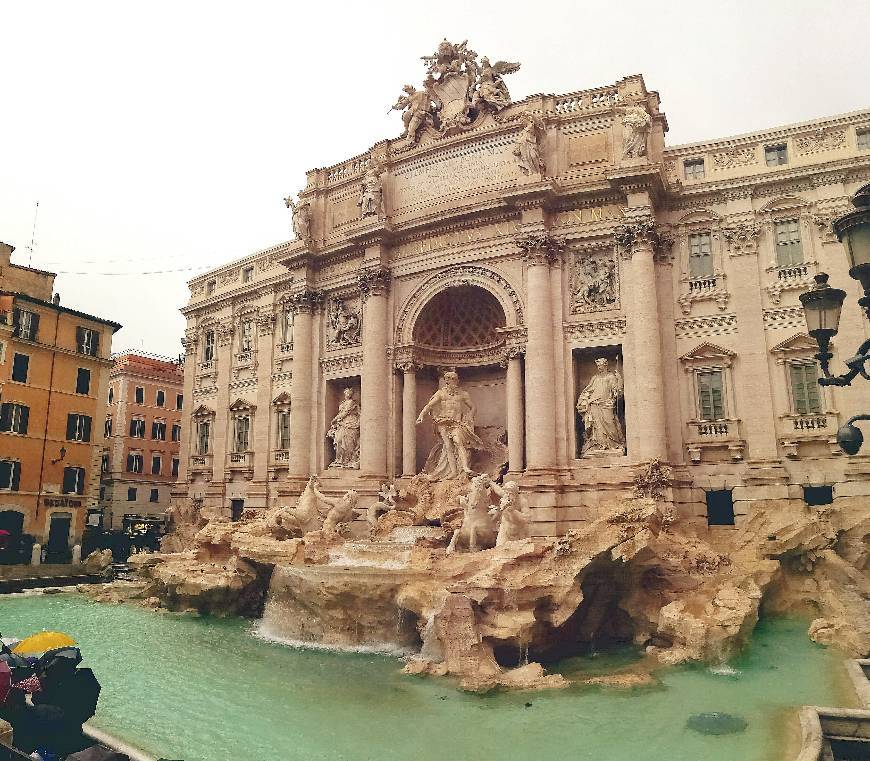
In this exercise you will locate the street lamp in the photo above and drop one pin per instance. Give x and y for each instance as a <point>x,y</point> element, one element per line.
<point>822,305</point>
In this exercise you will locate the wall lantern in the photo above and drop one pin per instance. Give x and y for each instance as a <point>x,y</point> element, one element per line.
<point>822,305</point>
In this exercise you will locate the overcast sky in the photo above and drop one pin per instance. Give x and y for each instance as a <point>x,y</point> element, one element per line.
<point>162,136</point>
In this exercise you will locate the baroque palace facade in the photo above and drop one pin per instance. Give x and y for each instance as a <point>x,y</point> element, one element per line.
<point>520,243</point>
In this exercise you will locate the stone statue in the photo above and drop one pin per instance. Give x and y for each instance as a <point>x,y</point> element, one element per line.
<point>286,522</point>
<point>344,432</point>
<point>370,191</point>
<point>454,421</point>
<point>477,531</point>
<point>514,515</point>
<point>385,504</point>
<point>341,510</point>
<point>597,403</point>
<point>344,324</point>
<point>419,111</point>
<point>636,124</point>
<point>526,146</point>
<point>448,59</point>
<point>491,88</point>
<point>301,218</point>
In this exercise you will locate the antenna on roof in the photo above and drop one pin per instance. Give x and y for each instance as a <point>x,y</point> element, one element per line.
<point>33,235</point>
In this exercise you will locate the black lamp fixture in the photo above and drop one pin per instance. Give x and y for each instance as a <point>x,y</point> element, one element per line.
<point>62,455</point>
<point>822,305</point>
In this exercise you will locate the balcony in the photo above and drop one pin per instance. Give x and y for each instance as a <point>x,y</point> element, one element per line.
<point>285,348</point>
<point>795,277</point>
<point>201,464</point>
<point>797,429</point>
<point>209,367</point>
<point>281,456</point>
<point>714,434</point>
<point>241,462</point>
<point>244,358</point>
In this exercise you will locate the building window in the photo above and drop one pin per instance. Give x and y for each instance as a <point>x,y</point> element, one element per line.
<point>14,417</point>
<point>104,463</point>
<point>73,480</point>
<point>208,346</point>
<point>246,342</point>
<point>788,243</point>
<point>87,341</point>
<point>108,427</point>
<point>134,462</point>
<point>156,464</point>
<point>175,464</point>
<point>158,430</point>
<point>864,139</point>
<point>20,366</point>
<point>818,495</point>
<point>179,401</point>
<point>176,432</point>
<point>140,395</point>
<point>711,400</point>
<point>111,394</point>
<point>247,274</point>
<point>694,169</point>
<point>154,496</point>
<point>775,155</point>
<point>209,287</point>
<point>25,324</point>
<point>283,430</point>
<point>131,494</point>
<point>243,427</point>
<point>137,428</point>
<point>720,508</point>
<point>83,381</point>
<point>10,475</point>
<point>700,255</point>
<point>161,398</point>
<point>805,394</point>
<point>202,437</point>
<point>78,427</point>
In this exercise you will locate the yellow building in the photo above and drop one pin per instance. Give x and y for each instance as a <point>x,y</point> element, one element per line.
<point>54,375</point>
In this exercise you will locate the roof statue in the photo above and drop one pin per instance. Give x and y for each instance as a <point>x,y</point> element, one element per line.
<point>456,92</point>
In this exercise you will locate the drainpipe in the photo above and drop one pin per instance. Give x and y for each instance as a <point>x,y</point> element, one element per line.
<point>47,415</point>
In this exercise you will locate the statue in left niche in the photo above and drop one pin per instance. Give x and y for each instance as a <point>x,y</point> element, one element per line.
<point>344,324</point>
<point>371,193</point>
<point>301,211</point>
<point>344,432</point>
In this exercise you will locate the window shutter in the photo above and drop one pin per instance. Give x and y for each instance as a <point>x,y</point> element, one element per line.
<point>132,428</point>
<point>83,381</point>
<point>69,478</point>
<point>87,428</point>
<point>25,419</point>
<point>80,480</point>
<point>5,416</point>
<point>34,326</point>
<point>153,430</point>
<point>129,463</point>
<point>16,321</point>
<point>6,474</point>
<point>95,343</point>
<point>16,475</point>
<point>20,365</point>
<point>71,427</point>
<point>80,339</point>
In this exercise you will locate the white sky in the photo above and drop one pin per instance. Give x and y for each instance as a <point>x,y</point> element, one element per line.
<point>163,135</point>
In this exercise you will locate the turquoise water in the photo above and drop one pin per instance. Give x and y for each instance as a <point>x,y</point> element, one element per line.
<point>203,689</point>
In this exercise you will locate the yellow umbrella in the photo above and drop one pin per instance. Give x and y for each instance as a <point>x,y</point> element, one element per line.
<point>39,643</point>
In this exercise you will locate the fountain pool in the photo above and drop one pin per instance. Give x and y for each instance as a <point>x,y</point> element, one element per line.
<point>206,689</point>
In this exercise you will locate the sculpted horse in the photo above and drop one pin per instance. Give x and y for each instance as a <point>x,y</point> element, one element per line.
<point>478,530</point>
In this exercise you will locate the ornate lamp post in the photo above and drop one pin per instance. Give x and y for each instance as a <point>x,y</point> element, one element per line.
<point>822,305</point>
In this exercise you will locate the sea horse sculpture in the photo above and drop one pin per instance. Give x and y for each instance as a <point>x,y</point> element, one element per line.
<point>478,531</point>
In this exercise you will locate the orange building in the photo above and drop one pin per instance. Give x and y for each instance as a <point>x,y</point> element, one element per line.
<point>54,376</point>
<point>143,434</point>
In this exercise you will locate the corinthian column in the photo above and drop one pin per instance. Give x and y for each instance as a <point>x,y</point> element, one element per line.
<point>374,401</point>
<point>303,305</point>
<point>515,426</point>
<point>541,250</point>
<point>409,419</point>
<point>645,410</point>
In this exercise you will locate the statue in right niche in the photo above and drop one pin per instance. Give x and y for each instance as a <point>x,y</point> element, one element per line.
<point>602,432</point>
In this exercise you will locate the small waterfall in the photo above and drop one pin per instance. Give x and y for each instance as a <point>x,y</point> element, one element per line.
<point>341,608</point>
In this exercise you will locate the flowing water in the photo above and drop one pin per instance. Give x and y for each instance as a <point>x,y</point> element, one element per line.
<point>205,689</point>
